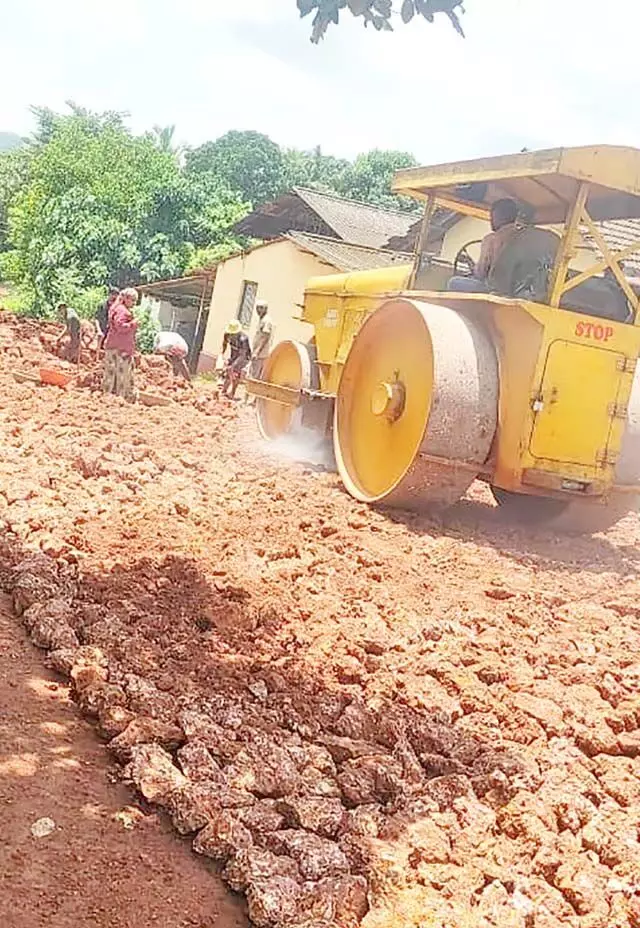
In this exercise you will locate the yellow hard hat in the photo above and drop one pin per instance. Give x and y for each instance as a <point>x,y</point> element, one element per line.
<point>233,328</point>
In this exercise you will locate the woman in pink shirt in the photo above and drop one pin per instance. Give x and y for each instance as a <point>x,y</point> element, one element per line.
<point>120,347</point>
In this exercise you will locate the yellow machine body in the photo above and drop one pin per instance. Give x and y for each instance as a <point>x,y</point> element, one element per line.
<point>564,377</point>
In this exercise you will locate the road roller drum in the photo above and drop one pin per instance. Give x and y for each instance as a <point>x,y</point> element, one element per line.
<point>420,388</point>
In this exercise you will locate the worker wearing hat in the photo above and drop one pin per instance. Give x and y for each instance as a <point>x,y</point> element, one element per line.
<point>239,356</point>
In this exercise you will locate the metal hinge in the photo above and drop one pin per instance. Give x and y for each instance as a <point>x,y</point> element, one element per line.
<point>626,365</point>
<point>618,411</point>
<point>605,457</point>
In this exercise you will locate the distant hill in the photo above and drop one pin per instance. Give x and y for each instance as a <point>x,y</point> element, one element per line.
<point>9,140</point>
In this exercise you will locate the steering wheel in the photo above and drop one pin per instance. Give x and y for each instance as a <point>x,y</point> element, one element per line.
<point>464,265</point>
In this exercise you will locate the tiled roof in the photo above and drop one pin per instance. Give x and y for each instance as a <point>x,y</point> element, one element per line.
<point>304,210</point>
<point>355,222</point>
<point>346,257</point>
<point>619,234</point>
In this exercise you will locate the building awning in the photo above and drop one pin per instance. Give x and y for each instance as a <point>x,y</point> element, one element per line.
<point>183,291</point>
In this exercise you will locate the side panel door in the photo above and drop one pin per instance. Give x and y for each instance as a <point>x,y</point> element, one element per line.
<point>575,408</point>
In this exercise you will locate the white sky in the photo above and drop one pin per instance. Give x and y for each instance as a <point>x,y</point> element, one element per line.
<point>531,72</point>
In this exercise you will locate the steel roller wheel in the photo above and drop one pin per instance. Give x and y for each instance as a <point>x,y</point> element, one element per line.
<point>288,365</point>
<point>420,382</point>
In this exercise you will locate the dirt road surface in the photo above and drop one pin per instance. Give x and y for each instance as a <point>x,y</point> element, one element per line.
<point>365,718</point>
<point>107,862</point>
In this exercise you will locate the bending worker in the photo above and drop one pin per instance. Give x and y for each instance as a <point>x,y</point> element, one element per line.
<point>173,347</point>
<point>503,224</point>
<point>240,355</point>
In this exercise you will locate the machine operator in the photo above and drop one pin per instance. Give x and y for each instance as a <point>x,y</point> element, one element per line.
<point>504,214</point>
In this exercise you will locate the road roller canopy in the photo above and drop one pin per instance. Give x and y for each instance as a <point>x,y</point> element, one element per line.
<point>547,182</point>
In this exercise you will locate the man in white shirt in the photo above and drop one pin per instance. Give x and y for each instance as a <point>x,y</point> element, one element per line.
<point>173,347</point>
<point>262,340</point>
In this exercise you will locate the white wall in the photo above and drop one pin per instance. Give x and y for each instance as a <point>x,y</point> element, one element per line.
<point>281,271</point>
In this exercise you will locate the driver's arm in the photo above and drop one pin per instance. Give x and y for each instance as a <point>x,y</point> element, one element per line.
<point>487,257</point>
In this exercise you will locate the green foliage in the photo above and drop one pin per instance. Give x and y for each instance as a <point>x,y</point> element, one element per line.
<point>17,300</point>
<point>100,206</point>
<point>314,169</point>
<point>163,137</point>
<point>14,167</point>
<point>376,13</point>
<point>248,162</point>
<point>148,327</point>
<point>204,258</point>
<point>369,179</point>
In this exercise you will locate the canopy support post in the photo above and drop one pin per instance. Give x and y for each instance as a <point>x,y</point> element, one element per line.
<point>421,242</point>
<point>567,246</point>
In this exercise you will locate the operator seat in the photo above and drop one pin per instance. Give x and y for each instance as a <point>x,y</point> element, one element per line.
<point>523,267</point>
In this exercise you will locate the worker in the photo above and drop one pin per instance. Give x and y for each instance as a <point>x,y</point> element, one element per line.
<point>72,329</point>
<point>172,346</point>
<point>120,347</point>
<point>239,356</point>
<point>261,340</point>
<point>102,315</point>
<point>504,214</point>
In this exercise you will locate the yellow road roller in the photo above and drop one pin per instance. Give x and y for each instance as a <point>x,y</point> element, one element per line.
<point>526,379</point>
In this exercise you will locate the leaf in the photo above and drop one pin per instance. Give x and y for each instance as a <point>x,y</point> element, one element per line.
<point>456,23</point>
<point>307,6</point>
<point>358,7</point>
<point>408,11</point>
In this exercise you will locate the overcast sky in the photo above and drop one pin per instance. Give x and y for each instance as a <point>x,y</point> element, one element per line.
<point>531,72</point>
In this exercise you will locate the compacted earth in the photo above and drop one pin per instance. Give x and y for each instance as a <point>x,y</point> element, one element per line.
<point>355,717</point>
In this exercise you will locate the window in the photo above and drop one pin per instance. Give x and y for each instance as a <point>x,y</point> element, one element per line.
<point>248,301</point>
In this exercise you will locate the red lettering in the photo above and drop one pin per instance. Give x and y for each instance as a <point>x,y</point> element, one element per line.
<point>594,330</point>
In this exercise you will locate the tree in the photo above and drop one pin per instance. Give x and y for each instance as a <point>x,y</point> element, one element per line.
<point>247,162</point>
<point>14,166</point>
<point>101,205</point>
<point>369,179</point>
<point>314,169</point>
<point>163,138</point>
<point>376,13</point>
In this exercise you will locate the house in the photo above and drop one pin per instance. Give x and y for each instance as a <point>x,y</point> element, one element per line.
<point>182,305</point>
<point>304,234</point>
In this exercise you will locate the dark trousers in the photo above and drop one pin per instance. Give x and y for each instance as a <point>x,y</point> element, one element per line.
<point>468,285</point>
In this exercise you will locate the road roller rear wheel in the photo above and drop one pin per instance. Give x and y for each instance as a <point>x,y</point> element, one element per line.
<point>420,383</point>
<point>289,365</point>
<point>587,517</point>
<point>528,510</point>
<point>572,517</point>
